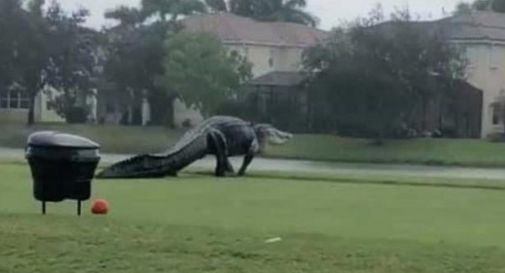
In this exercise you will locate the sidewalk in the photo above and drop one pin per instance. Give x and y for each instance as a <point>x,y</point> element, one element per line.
<point>322,168</point>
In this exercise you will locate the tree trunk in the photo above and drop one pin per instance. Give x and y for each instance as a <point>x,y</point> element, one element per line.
<point>170,115</point>
<point>424,112</point>
<point>130,114</point>
<point>31,111</point>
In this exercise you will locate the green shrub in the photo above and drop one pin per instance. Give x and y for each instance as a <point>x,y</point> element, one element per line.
<point>75,115</point>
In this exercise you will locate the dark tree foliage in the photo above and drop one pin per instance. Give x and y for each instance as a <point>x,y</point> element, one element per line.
<point>134,53</point>
<point>267,10</point>
<point>44,47</point>
<point>32,52</point>
<point>494,5</point>
<point>498,5</point>
<point>200,69</point>
<point>371,76</point>
<point>11,20</point>
<point>73,60</point>
<point>144,55</point>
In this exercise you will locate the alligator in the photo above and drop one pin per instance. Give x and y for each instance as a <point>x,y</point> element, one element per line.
<point>221,136</point>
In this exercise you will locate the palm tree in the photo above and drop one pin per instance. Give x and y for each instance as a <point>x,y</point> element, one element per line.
<point>266,10</point>
<point>498,5</point>
<point>494,5</point>
<point>126,16</point>
<point>289,11</point>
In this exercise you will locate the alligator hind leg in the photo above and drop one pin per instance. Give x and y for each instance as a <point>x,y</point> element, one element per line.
<point>220,167</point>
<point>218,142</point>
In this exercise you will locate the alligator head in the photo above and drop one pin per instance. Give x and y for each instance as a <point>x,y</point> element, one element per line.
<point>267,132</point>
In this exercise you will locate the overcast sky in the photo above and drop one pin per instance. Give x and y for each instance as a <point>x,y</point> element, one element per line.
<point>330,12</point>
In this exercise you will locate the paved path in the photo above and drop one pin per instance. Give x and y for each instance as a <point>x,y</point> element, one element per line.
<point>262,164</point>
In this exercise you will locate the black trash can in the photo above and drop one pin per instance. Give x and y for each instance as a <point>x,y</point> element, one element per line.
<point>62,166</point>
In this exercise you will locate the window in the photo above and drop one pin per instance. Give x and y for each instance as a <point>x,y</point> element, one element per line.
<point>13,99</point>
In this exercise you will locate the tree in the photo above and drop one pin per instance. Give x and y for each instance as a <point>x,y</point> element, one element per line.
<point>46,49</point>
<point>373,75</point>
<point>73,60</point>
<point>498,5</point>
<point>11,19</point>
<point>126,16</point>
<point>288,11</point>
<point>135,51</point>
<point>32,53</point>
<point>137,55</point>
<point>463,8</point>
<point>134,58</point>
<point>201,71</point>
<point>494,5</point>
<point>267,10</point>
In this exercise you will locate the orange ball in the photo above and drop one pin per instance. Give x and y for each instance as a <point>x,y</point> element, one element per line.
<point>100,206</point>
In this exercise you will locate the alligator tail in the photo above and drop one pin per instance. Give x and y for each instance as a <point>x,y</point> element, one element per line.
<point>157,165</point>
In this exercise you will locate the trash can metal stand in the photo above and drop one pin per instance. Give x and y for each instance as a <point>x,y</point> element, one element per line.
<point>62,167</point>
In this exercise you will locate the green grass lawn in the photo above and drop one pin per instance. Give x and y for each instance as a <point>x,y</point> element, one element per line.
<point>120,139</point>
<point>198,223</point>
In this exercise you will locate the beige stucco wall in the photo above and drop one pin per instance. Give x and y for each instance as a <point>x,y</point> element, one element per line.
<point>42,112</point>
<point>282,58</point>
<point>258,55</point>
<point>486,71</point>
<point>288,59</point>
<point>183,113</point>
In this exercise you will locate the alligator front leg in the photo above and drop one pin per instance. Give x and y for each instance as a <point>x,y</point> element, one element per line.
<point>247,160</point>
<point>253,150</point>
<point>229,167</point>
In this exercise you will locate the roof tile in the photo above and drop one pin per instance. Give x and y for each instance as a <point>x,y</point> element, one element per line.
<point>237,29</point>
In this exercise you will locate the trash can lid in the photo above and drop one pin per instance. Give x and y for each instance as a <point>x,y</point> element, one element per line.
<point>57,139</point>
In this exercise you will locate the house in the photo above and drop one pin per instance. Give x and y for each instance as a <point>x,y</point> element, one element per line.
<point>481,34</point>
<point>273,48</point>
<point>14,104</point>
<point>476,112</point>
<point>269,46</point>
